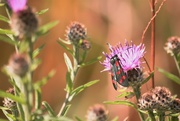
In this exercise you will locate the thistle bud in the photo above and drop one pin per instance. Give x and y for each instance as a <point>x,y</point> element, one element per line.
<point>9,103</point>
<point>19,64</point>
<point>97,113</point>
<point>76,32</point>
<point>173,45</point>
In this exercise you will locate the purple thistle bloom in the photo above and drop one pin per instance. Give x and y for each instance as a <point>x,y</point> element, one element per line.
<point>129,56</point>
<point>17,5</point>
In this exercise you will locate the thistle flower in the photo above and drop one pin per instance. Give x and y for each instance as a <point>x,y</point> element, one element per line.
<point>175,105</point>
<point>76,32</point>
<point>18,64</point>
<point>9,103</point>
<point>129,56</point>
<point>17,5</point>
<point>173,45</point>
<point>97,113</point>
<point>24,21</point>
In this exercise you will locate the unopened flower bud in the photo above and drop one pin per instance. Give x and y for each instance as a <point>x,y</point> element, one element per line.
<point>76,32</point>
<point>19,64</point>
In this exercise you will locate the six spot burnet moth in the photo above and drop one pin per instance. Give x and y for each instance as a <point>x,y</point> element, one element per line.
<point>117,73</point>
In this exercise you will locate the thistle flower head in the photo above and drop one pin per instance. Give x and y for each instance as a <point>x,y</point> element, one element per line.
<point>9,103</point>
<point>175,105</point>
<point>158,98</point>
<point>76,32</point>
<point>18,64</point>
<point>129,56</point>
<point>97,113</point>
<point>173,45</point>
<point>17,5</point>
<point>24,22</point>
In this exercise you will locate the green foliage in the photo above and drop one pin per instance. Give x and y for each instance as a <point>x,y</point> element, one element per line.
<point>171,76</point>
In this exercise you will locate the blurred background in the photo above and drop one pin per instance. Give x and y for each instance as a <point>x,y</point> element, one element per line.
<point>109,21</point>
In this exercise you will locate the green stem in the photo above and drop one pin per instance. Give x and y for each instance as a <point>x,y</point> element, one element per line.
<point>137,92</point>
<point>151,115</point>
<point>174,118</point>
<point>161,116</point>
<point>177,63</point>
<point>69,97</point>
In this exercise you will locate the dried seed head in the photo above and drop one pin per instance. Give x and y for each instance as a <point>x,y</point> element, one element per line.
<point>85,45</point>
<point>9,103</point>
<point>162,96</point>
<point>76,32</point>
<point>97,113</point>
<point>146,101</point>
<point>19,64</point>
<point>135,76</point>
<point>158,98</point>
<point>173,45</point>
<point>175,105</point>
<point>24,22</point>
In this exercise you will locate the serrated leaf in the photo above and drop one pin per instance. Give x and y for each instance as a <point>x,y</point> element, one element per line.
<point>3,18</point>
<point>43,11</point>
<point>38,50</point>
<point>125,94</point>
<point>121,102</point>
<point>13,97</point>
<point>82,87</point>
<point>68,62</point>
<point>147,79</point>
<point>173,77</point>
<point>65,47</point>
<point>91,61</point>
<point>44,80</point>
<point>7,40</point>
<point>45,28</point>
<point>5,31</point>
<point>48,108</point>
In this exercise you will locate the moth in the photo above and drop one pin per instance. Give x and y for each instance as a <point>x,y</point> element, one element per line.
<point>117,73</point>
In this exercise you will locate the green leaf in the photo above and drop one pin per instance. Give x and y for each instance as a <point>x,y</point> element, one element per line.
<point>91,62</point>
<point>5,31</point>
<point>65,41</point>
<point>38,50</point>
<point>66,110</point>
<point>65,47</point>
<point>8,40</point>
<point>38,98</point>
<point>115,119</point>
<point>122,102</point>
<point>45,28</point>
<point>44,80</point>
<point>77,118</point>
<point>69,83</point>
<point>3,18</point>
<point>82,87</point>
<point>68,62</point>
<point>13,97</point>
<point>2,4</point>
<point>48,108</point>
<point>126,94</point>
<point>43,11</point>
<point>170,76</point>
<point>10,117</point>
<point>147,79</point>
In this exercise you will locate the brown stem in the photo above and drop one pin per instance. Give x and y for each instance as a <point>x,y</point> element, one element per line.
<point>153,40</point>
